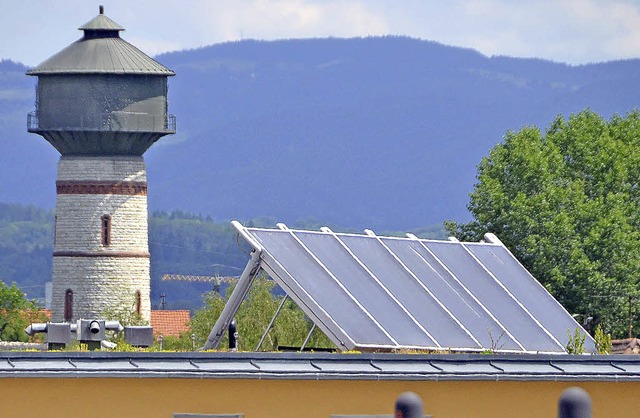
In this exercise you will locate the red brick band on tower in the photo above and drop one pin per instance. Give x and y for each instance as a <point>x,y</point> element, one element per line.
<point>115,254</point>
<point>102,187</point>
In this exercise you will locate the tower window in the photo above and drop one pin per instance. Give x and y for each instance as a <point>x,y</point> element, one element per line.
<point>138,303</point>
<point>68,305</point>
<point>106,230</point>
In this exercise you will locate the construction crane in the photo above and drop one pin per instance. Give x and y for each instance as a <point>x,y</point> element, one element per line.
<point>216,280</point>
<point>188,278</point>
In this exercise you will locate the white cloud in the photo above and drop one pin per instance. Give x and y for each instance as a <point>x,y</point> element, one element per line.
<point>278,19</point>
<point>565,30</point>
<point>575,31</point>
<point>625,28</point>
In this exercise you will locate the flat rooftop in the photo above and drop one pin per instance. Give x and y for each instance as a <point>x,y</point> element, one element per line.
<point>320,366</point>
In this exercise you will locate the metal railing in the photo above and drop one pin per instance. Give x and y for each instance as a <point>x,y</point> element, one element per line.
<point>115,121</point>
<point>32,121</point>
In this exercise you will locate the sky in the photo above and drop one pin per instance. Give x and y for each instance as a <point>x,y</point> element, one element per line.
<point>569,31</point>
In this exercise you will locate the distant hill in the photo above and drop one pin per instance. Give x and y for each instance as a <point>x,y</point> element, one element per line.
<point>381,132</point>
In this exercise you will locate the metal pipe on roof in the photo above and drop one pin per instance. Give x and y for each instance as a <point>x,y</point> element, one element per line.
<point>233,336</point>
<point>35,328</point>
<point>108,344</point>
<point>113,326</point>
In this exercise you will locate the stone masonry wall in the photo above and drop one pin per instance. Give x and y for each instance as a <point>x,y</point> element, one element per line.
<point>115,168</point>
<point>100,285</point>
<point>78,223</point>
<point>102,277</point>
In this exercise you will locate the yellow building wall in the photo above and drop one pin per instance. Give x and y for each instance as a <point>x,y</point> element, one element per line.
<point>159,397</point>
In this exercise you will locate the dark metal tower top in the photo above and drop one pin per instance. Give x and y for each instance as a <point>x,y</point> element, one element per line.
<point>101,50</point>
<point>101,95</point>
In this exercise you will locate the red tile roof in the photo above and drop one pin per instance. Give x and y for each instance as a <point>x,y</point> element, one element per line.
<point>170,323</point>
<point>46,313</point>
<point>625,346</point>
<point>35,315</point>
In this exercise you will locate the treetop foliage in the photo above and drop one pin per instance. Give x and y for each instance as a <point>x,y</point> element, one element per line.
<point>290,328</point>
<point>16,313</point>
<point>566,202</point>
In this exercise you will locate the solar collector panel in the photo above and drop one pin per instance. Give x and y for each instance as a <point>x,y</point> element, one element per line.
<point>386,292</point>
<point>312,279</point>
<point>527,290</point>
<point>364,287</point>
<point>475,278</point>
<point>471,314</point>
<point>409,292</point>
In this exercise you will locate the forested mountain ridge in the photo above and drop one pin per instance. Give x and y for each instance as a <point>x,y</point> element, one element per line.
<point>26,247</point>
<point>380,132</point>
<point>180,243</point>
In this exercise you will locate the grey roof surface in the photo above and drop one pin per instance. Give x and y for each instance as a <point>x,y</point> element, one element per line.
<point>101,50</point>
<point>305,366</point>
<point>374,292</point>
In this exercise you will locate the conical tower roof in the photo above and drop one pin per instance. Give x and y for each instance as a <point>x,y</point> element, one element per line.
<point>101,51</point>
<point>101,23</point>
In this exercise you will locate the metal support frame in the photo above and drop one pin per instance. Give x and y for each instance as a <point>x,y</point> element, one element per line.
<point>273,320</point>
<point>237,296</point>
<point>306,340</point>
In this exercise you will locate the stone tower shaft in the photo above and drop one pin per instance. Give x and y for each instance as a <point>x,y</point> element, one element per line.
<point>101,251</point>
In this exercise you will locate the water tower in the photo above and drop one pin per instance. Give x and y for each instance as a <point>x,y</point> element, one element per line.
<point>101,103</point>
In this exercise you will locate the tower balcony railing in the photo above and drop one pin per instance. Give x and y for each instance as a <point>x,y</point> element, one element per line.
<point>114,121</point>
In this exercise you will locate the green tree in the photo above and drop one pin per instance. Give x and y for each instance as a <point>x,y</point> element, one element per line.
<point>256,311</point>
<point>567,204</point>
<point>16,313</point>
<point>123,308</point>
<point>204,318</point>
<point>603,341</point>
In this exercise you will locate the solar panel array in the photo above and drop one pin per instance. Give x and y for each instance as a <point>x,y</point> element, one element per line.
<point>370,292</point>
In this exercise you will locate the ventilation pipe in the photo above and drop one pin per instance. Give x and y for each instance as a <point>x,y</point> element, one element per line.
<point>33,329</point>
<point>89,331</point>
<point>108,344</point>
<point>92,331</point>
<point>113,326</point>
<point>233,335</point>
<point>58,335</point>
